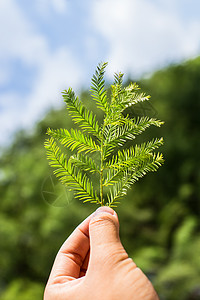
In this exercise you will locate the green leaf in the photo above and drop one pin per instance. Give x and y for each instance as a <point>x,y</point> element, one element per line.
<point>138,159</point>
<point>85,163</point>
<point>124,98</point>
<point>99,93</point>
<point>132,97</point>
<point>68,174</point>
<point>118,135</point>
<point>74,139</point>
<point>117,169</point>
<point>129,177</point>
<point>118,80</point>
<point>80,115</point>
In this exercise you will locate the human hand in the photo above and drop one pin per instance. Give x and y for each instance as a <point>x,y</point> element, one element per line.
<point>92,264</point>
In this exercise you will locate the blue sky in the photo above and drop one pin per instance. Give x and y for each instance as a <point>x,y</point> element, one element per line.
<point>48,45</point>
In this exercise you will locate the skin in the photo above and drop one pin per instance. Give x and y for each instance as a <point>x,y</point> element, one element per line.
<point>93,264</point>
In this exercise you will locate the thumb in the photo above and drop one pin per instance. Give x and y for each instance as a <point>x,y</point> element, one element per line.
<point>103,232</point>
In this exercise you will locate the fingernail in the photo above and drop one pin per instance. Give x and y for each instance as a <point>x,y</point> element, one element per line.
<point>103,209</point>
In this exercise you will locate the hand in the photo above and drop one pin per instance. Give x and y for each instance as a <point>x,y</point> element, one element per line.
<point>92,265</point>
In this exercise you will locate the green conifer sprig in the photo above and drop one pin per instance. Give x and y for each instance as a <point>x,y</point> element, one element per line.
<point>99,152</point>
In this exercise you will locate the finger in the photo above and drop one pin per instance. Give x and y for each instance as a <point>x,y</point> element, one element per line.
<point>72,254</point>
<point>84,267</point>
<point>105,244</point>
<point>104,227</point>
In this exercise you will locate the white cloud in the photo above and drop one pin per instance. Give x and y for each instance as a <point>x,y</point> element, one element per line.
<point>4,75</point>
<point>46,6</point>
<point>54,70</point>
<point>19,40</point>
<point>144,35</point>
<point>58,72</point>
<point>138,34</point>
<point>60,5</point>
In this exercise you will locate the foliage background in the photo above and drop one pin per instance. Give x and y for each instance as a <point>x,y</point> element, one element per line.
<point>159,218</point>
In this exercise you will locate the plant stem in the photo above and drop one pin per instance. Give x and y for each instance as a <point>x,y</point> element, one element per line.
<point>101,187</point>
<point>102,166</point>
<point>101,175</point>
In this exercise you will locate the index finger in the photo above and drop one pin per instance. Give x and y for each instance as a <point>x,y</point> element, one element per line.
<point>71,255</point>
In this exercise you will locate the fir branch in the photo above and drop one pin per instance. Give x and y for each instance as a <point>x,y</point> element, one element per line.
<point>118,80</point>
<point>85,163</point>
<point>79,113</point>
<point>117,135</point>
<point>99,93</point>
<point>124,98</point>
<point>68,174</point>
<point>129,177</point>
<point>132,97</point>
<point>117,90</point>
<point>116,170</point>
<point>118,191</point>
<point>132,160</point>
<point>74,139</point>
